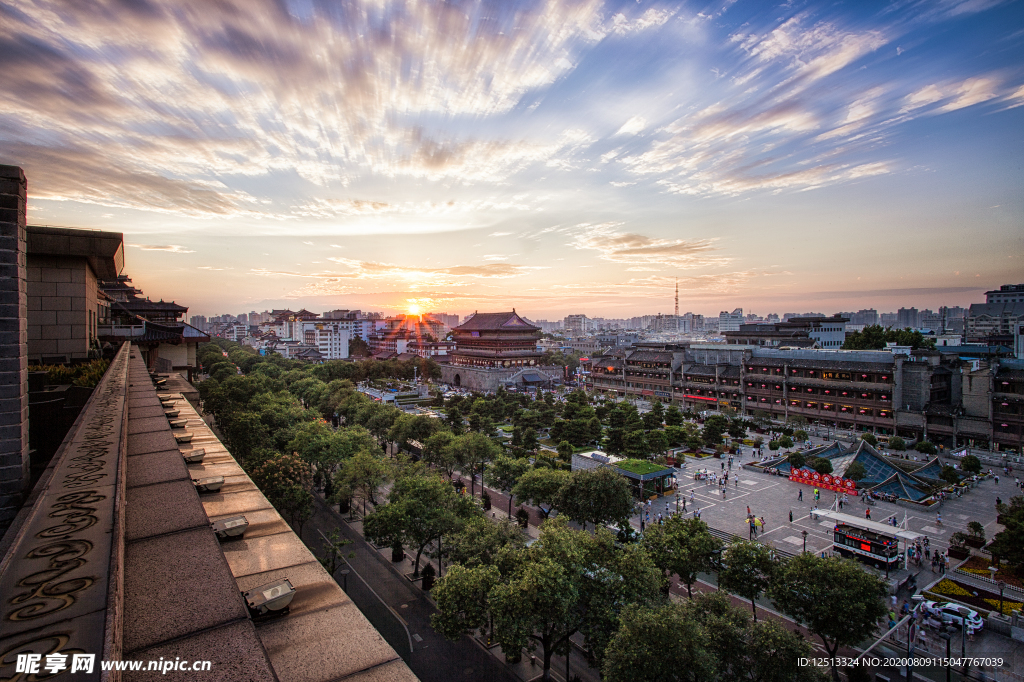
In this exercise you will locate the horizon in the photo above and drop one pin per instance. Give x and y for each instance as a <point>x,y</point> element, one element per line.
<point>558,156</point>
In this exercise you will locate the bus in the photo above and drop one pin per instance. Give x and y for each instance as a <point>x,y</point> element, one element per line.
<point>872,542</point>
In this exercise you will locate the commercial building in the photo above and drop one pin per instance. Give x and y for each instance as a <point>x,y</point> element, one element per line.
<point>730,322</point>
<point>1008,293</point>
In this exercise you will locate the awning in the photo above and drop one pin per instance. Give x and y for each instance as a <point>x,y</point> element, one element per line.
<point>533,378</point>
<point>875,526</point>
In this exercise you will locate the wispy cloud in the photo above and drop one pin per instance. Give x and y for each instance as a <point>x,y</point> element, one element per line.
<point>168,248</point>
<point>635,249</point>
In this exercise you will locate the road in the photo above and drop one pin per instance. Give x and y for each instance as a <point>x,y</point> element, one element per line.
<point>432,658</point>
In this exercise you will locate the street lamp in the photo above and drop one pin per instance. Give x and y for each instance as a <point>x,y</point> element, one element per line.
<point>804,533</point>
<point>1002,586</point>
<point>946,635</point>
<point>344,578</point>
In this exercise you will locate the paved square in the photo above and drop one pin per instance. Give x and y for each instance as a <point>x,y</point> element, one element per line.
<point>775,497</point>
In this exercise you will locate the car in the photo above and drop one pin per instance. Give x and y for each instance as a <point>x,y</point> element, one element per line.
<point>950,612</point>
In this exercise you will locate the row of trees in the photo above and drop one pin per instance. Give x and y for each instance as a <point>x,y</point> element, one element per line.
<point>615,596</point>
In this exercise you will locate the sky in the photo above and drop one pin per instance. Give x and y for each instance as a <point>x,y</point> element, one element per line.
<point>555,156</point>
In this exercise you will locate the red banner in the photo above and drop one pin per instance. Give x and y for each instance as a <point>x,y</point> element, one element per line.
<point>826,481</point>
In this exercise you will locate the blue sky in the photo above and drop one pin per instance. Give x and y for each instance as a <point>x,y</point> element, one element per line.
<point>558,157</point>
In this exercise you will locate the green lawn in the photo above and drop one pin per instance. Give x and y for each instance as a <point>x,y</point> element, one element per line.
<point>640,467</point>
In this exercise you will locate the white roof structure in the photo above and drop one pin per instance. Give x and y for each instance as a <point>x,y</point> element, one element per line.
<point>865,524</point>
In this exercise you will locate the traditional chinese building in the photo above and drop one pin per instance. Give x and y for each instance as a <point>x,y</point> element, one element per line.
<point>492,347</point>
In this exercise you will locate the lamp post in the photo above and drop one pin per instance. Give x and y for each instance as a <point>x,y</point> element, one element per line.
<point>344,579</point>
<point>1002,586</point>
<point>946,635</point>
<point>804,533</point>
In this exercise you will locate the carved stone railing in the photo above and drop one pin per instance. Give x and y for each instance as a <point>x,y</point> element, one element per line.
<point>62,578</point>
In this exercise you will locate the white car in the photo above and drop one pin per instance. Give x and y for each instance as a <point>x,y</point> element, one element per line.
<point>949,612</point>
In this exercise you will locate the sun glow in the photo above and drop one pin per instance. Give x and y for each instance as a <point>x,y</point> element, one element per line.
<point>413,307</point>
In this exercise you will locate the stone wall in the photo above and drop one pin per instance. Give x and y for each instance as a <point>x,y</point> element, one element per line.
<point>14,459</point>
<point>487,379</point>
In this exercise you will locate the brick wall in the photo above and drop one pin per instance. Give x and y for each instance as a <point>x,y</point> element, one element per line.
<point>14,460</point>
<point>61,307</point>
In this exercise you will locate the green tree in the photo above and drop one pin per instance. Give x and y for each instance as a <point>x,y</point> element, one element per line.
<point>596,496</point>
<point>333,556</point>
<point>454,420</point>
<point>856,471</point>
<point>796,459</point>
<point>897,443</point>
<point>949,475</point>
<point>437,450</point>
<point>684,547</point>
<point>246,434</point>
<point>659,644</point>
<point>541,487</point>
<point>421,509</point>
<point>480,541</point>
<point>926,447</point>
<point>786,442</point>
<point>361,475</point>
<point>635,445</point>
<point>773,445</point>
<point>504,472</point>
<point>971,464</point>
<point>822,465</point>
<point>463,599</point>
<point>714,427</point>
<point>286,481</point>
<point>565,450</point>
<point>800,436</point>
<point>657,442</point>
<point>1008,544</point>
<point>869,438</point>
<point>808,588</point>
<point>875,337</point>
<point>673,417</point>
<point>747,570</point>
<point>474,451</point>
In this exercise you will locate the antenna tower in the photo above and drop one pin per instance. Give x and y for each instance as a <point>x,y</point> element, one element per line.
<point>677,297</point>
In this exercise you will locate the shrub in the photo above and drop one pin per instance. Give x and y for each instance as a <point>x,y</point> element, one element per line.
<point>870,439</point>
<point>786,442</point>
<point>773,445</point>
<point>428,576</point>
<point>897,443</point>
<point>523,517</point>
<point>926,448</point>
<point>976,529</point>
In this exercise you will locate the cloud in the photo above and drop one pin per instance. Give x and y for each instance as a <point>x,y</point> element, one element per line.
<point>499,234</point>
<point>632,126</point>
<point>168,248</point>
<point>634,249</point>
<point>652,18</point>
<point>955,95</point>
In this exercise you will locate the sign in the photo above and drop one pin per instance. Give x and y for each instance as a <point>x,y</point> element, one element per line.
<point>837,376</point>
<point>663,394</point>
<point>808,477</point>
<point>647,391</point>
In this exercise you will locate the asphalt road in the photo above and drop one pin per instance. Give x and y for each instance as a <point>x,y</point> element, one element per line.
<point>400,605</point>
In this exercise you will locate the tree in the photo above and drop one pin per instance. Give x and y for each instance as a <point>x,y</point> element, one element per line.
<point>333,557</point>
<point>971,464</point>
<point>246,434</point>
<point>704,639</point>
<point>683,547</point>
<point>479,541</point>
<point>541,487</point>
<point>565,450</point>
<point>875,337</point>
<point>747,570</point>
<point>926,447</point>
<point>286,481</point>
<point>673,417</point>
<point>786,442</point>
<point>897,443</point>
<point>504,472</point>
<point>362,474</point>
<point>1008,544</point>
<point>473,450</point>
<point>773,445</point>
<point>856,471</point>
<point>869,438</point>
<point>454,420</point>
<point>809,587</point>
<point>800,435</point>
<point>796,459</point>
<point>822,465</point>
<point>635,445</point>
<point>596,496</point>
<point>949,475</point>
<point>463,599</point>
<point>714,427</point>
<point>437,451</point>
<point>657,441</point>
<point>421,509</point>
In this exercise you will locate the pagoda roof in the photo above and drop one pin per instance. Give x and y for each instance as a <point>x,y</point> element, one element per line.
<point>144,304</point>
<point>496,321</point>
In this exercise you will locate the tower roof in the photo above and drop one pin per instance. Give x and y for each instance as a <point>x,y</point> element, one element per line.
<point>495,321</point>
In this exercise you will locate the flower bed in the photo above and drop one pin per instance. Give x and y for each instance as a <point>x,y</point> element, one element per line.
<point>979,566</point>
<point>973,596</point>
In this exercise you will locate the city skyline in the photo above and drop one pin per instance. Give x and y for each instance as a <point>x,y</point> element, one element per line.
<point>560,157</point>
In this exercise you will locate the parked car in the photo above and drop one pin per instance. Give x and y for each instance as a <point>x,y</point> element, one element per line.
<point>949,612</point>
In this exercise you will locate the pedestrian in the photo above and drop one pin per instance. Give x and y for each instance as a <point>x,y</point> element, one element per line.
<point>762,524</point>
<point>800,495</point>
<point>723,466</point>
<point>791,516</point>
<point>867,513</point>
<point>938,519</point>
<point>840,505</point>
<point>691,496</point>
<point>684,504</point>
<point>723,492</point>
<point>748,510</point>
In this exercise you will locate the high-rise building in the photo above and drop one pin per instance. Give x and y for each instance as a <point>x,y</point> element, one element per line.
<point>576,324</point>
<point>730,322</point>
<point>1008,293</point>
<point>908,317</point>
